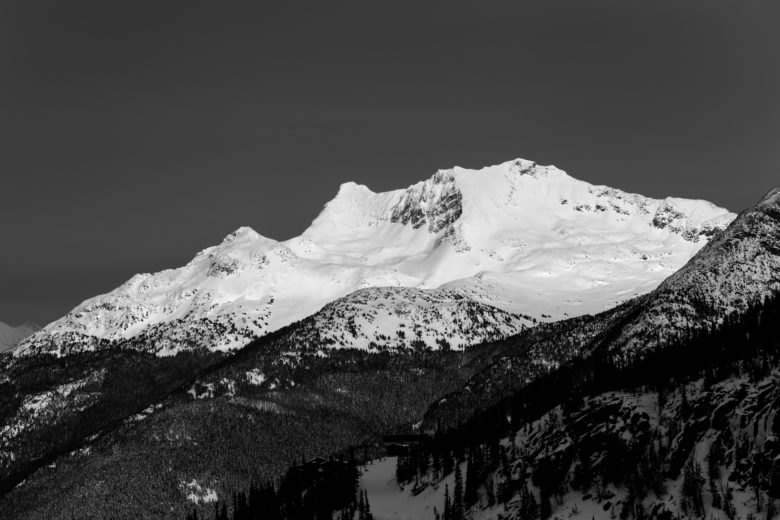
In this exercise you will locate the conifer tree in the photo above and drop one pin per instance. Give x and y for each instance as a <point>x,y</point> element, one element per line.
<point>545,506</point>
<point>528,507</point>
<point>470,492</point>
<point>692,487</point>
<point>447,506</point>
<point>490,492</point>
<point>365,508</point>
<point>457,498</point>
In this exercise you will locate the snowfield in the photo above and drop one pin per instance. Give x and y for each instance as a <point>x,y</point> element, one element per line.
<point>389,501</point>
<point>523,238</point>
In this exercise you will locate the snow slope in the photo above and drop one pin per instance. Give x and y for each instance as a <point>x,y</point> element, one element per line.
<point>11,336</point>
<point>381,318</point>
<point>517,236</point>
<point>389,501</point>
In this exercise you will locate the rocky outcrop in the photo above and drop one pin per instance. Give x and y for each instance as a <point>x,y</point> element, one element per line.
<point>436,203</point>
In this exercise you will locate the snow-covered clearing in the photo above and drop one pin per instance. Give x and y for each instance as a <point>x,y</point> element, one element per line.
<point>389,501</point>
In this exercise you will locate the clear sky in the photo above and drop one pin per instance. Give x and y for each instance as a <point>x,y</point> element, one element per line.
<point>134,134</point>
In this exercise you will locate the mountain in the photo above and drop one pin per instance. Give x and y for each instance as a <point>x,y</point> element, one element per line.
<point>145,422</point>
<point>663,407</point>
<point>519,237</point>
<point>12,336</point>
<point>381,318</point>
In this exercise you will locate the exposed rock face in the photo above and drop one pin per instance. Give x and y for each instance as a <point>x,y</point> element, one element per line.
<point>437,203</point>
<point>668,215</point>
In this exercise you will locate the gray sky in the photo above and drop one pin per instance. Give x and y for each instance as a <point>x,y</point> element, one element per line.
<point>134,134</point>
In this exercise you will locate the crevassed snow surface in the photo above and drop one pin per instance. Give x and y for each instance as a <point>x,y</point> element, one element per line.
<point>517,236</point>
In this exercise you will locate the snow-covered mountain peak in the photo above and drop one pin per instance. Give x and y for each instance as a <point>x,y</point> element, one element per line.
<point>354,207</point>
<point>433,206</point>
<point>350,195</point>
<point>351,188</point>
<point>242,233</point>
<point>521,166</point>
<point>518,236</point>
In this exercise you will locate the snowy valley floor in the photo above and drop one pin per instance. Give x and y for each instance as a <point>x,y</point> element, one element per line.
<point>391,502</point>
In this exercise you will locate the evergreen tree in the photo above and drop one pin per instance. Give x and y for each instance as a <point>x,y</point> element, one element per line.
<point>490,492</point>
<point>472,477</point>
<point>457,498</point>
<point>365,508</point>
<point>728,501</point>
<point>447,506</point>
<point>713,473</point>
<point>692,487</point>
<point>545,506</point>
<point>361,507</point>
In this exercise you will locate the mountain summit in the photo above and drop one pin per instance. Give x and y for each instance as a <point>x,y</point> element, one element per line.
<point>523,238</point>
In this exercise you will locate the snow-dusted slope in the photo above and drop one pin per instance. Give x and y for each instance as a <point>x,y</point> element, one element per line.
<point>11,336</point>
<point>517,236</point>
<point>736,270</point>
<point>381,318</point>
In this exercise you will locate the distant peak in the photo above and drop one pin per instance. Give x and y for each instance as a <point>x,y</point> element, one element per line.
<point>352,187</point>
<point>29,325</point>
<point>772,198</point>
<point>522,164</point>
<point>348,193</point>
<point>244,232</point>
<point>532,169</point>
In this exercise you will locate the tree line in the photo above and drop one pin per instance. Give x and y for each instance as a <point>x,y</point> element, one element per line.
<point>313,490</point>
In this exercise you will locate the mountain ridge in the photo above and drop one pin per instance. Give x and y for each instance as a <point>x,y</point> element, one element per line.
<point>524,238</point>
